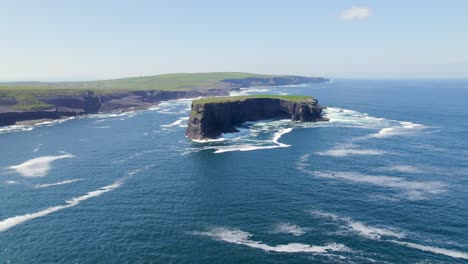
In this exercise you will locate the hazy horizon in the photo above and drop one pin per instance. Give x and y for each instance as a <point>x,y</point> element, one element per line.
<point>85,41</point>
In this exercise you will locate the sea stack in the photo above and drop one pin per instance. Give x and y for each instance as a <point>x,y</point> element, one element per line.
<point>210,117</point>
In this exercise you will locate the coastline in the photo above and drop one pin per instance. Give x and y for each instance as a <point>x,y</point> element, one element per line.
<point>66,107</point>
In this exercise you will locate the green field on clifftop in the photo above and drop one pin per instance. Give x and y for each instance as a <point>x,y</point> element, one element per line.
<point>243,98</point>
<point>165,82</point>
<point>26,93</point>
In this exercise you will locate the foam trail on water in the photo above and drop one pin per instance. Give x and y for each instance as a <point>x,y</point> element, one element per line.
<point>248,147</point>
<point>239,237</point>
<point>401,168</point>
<point>342,152</point>
<point>38,167</point>
<point>436,250</point>
<point>375,233</point>
<point>223,149</point>
<point>405,128</point>
<point>11,182</point>
<point>57,183</point>
<point>414,190</point>
<point>288,228</point>
<point>178,122</point>
<point>37,148</point>
<point>360,228</point>
<point>11,222</point>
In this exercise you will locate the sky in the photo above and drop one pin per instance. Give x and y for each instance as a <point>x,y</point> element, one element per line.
<point>67,40</point>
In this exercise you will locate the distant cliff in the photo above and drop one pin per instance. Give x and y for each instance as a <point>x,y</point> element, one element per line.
<point>54,104</point>
<point>211,117</point>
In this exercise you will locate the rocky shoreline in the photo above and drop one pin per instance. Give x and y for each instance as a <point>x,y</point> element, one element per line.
<point>209,119</point>
<point>65,106</point>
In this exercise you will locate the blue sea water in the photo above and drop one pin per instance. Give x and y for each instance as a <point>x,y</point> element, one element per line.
<point>386,181</point>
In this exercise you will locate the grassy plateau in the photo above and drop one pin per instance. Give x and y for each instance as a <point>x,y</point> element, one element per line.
<point>26,93</point>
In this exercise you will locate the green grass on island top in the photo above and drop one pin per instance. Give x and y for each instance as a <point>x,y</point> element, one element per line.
<point>243,98</point>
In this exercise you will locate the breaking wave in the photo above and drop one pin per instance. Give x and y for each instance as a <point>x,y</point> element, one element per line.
<point>385,128</point>
<point>38,167</point>
<point>20,219</point>
<point>241,143</point>
<point>239,237</point>
<point>178,122</point>
<point>29,127</point>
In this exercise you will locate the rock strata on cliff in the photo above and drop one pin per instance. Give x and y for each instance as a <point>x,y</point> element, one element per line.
<point>211,117</point>
<point>54,104</point>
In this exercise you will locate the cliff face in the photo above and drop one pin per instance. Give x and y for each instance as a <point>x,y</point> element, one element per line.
<point>89,102</point>
<point>210,120</point>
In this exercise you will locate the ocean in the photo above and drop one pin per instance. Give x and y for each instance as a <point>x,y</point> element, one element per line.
<point>385,181</point>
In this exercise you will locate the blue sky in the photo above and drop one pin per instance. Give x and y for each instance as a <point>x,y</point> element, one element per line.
<point>86,40</point>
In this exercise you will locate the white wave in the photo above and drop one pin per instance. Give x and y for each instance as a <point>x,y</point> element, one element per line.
<point>178,122</point>
<point>372,232</point>
<point>29,127</point>
<point>223,149</point>
<point>38,167</point>
<point>239,237</point>
<point>249,147</point>
<point>350,118</point>
<point>342,152</point>
<point>100,127</point>
<point>11,182</point>
<point>436,250</point>
<point>375,233</point>
<point>249,91</point>
<point>57,183</point>
<point>15,128</point>
<point>208,140</point>
<point>288,228</point>
<point>405,128</point>
<point>11,222</point>
<point>414,190</point>
<point>37,148</point>
<point>279,134</point>
<point>401,168</point>
<point>360,228</point>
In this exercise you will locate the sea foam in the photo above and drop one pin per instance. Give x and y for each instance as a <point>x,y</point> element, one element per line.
<point>385,234</point>
<point>436,250</point>
<point>57,183</point>
<point>38,167</point>
<point>178,122</point>
<point>20,219</point>
<point>292,229</point>
<point>414,190</point>
<point>239,237</point>
<point>360,228</point>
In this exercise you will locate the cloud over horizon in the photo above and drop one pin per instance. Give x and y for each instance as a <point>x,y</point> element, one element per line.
<point>356,13</point>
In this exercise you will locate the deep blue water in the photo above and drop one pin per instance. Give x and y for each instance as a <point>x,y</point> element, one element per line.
<point>385,181</point>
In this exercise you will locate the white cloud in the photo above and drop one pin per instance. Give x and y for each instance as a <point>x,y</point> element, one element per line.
<point>356,13</point>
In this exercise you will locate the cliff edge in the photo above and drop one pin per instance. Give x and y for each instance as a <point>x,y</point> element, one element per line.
<point>210,117</point>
